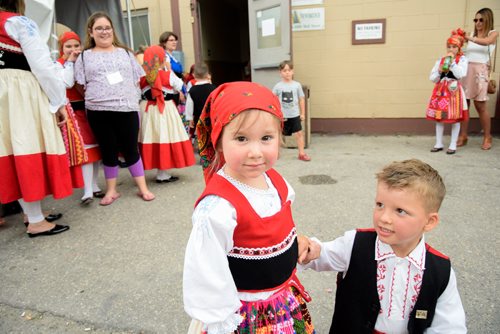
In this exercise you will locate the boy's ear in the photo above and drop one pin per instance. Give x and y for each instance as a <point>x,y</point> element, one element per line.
<point>432,221</point>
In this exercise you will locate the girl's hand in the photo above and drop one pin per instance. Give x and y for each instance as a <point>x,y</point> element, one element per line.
<point>62,116</point>
<point>182,98</point>
<point>73,56</point>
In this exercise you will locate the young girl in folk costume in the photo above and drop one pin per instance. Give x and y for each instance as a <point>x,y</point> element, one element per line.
<point>86,153</point>
<point>239,269</point>
<point>163,141</point>
<point>448,103</point>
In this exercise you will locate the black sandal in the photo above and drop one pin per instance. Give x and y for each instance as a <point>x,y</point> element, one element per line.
<point>436,149</point>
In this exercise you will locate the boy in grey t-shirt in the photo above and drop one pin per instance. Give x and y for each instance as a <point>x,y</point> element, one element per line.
<point>293,104</point>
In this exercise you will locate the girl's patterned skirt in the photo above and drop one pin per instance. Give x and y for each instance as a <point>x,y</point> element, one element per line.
<point>285,312</point>
<point>447,103</point>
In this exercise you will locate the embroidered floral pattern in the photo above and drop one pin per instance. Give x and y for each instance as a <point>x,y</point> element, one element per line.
<point>265,252</point>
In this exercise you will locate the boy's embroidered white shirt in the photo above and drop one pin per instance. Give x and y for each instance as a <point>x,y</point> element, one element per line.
<point>398,284</point>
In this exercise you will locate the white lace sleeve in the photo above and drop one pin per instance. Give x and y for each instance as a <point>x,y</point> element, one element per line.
<point>25,32</point>
<point>210,294</point>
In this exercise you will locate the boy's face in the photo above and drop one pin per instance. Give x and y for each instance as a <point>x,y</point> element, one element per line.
<point>400,218</point>
<point>286,73</point>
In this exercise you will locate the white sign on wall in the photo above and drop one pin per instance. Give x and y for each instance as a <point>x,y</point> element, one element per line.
<point>308,19</point>
<point>306,2</point>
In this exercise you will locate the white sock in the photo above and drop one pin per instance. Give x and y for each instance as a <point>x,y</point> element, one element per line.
<point>87,171</point>
<point>33,210</point>
<point>455,130</point>
<point>439,135</point>
<point>95,175</point>
<point>163,175</point>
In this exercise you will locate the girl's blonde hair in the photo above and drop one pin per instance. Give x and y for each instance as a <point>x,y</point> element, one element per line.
<point>89,40</point>
<point>487,15</point>
<point>241,119</point>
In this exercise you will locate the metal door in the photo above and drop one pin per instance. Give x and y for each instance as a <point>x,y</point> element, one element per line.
<point>270,38</point>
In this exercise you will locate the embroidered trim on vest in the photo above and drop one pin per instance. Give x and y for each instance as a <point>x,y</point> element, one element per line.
<point>265,252</point>
<point>10,47</point>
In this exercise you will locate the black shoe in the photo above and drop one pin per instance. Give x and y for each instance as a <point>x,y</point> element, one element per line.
<point>436,149</point>
<point>55,230</point>
<point>171,179</point>
<point>448,151</point>
<point>86,201</point>
<point>99,194</point>
<point>53,217</point>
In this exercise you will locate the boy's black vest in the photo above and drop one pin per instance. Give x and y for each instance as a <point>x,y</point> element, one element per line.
<point>199,94</point>
<point>357,303</point>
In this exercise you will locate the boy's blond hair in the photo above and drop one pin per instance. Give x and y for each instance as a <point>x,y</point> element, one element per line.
<point>415,175</point>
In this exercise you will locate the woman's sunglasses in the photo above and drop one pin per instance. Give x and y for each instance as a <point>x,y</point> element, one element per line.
<point>480,20</point>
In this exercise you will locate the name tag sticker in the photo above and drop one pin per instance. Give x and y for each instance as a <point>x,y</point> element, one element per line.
<point>114,78</point>
<point>421,314</point>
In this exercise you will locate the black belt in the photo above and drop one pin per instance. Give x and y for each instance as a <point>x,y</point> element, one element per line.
<point>166,97</point>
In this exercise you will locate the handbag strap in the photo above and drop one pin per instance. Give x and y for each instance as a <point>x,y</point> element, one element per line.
<point>492,69</point>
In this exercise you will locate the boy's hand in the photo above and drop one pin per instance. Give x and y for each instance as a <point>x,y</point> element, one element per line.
<point>313,253</point>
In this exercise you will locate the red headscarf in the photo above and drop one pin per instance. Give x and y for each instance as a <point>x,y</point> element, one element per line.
<point>66,37</point>
<point>457,38</point>
<point>223,104</point>
<point>153,58</point>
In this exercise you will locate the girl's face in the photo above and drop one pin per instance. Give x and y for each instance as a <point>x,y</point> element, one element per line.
<point>451,48</point>
<point>102,32</point>
<point>250,145</point>
<point>70,46</point>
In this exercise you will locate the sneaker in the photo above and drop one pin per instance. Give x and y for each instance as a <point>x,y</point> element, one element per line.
<point>304,157</point>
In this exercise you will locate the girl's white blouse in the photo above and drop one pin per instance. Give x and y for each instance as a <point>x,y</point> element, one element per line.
<point>459,70</point>
<point>24,31</point>
<point>210,294</point>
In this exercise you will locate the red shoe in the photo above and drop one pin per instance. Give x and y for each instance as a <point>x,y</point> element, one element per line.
<point>304,157</point>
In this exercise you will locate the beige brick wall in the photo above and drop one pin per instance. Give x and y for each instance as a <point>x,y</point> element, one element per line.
<point>379,80</point>
<point>358,81</point>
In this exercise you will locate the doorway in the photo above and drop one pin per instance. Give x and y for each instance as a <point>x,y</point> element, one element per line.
<point>223,39</point>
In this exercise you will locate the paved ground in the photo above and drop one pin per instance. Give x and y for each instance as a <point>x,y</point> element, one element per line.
<point>119,268</point>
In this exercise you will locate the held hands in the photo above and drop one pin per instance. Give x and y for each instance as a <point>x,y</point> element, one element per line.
<point>182,97</point>
<point>61,116</point>
<point>308,250</point>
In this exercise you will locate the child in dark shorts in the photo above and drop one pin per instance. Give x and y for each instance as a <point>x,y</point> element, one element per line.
<point>293,105</point>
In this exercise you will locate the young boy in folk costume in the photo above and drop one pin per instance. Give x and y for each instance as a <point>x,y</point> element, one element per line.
<point>81,145</point>
<point>239,269</point>
<point>390,280</point>
<point>448,103</point>
<point>163,141</point>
